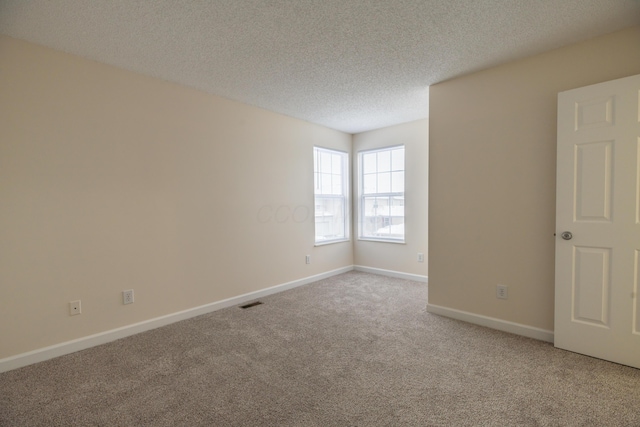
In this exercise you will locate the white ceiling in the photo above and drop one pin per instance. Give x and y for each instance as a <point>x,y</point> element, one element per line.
<point>351,65</point>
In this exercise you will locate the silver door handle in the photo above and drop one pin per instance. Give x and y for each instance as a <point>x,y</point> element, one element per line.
<point>566,235</point>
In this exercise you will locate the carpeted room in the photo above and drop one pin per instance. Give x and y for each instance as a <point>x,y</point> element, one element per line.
<point>116,175</point>
<point>354,349</point>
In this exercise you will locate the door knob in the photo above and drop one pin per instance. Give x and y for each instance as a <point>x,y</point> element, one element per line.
<point>566,235</point>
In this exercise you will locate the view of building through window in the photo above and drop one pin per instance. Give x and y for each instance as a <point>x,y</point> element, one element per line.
<point>381,175</point>
<point>331,195</point>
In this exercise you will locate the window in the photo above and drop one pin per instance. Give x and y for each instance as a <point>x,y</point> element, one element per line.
<point>382,194</point>
<point>331,195</point>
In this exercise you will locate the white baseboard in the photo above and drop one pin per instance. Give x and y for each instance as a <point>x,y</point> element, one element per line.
<point>46,353</point>
<point>493,323</point>
<point>391,273</point>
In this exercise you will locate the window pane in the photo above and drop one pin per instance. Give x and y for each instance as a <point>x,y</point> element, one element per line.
<point>369,163</point>
<point>384,182</point>
<point>376,206</point>
<point>397,182</point>
<point>397,159</point>
<point>372,218</point>
<point>370,206</point>
<point>336,181</point>
<point>325,162</point>
<point>384,161</point>
<point>395,229</point>
<point>330,218</point>
<point>325,183</point>
<point>336,163</point>
<point>397,207</point>
<point>369,184</point>
<point>384,209</point>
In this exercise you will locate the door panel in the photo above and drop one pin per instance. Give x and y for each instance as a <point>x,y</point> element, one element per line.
<point>593,163</point>
<point>592,113</point>
<point>597,308</point>
<point>591,282</point>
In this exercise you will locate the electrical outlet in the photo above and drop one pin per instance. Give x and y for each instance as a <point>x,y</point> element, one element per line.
<point>502,292</point>
<point>127,297</point>
<point>75,308</point>
<point>307,259</point>
<point>420,257</point>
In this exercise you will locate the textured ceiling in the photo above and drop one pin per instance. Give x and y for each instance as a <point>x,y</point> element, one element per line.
<point>351,65</point>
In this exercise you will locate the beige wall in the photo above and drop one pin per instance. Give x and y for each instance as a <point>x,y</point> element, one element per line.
<point>492,177</point>
<point>394,256</point>
<point>110,180</point>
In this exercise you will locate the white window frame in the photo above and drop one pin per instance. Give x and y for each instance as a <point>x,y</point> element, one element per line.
<point>320,193</point>
<point>362,218</point>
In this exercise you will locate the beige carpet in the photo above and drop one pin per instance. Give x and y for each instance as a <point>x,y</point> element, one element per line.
<point>354,350</point>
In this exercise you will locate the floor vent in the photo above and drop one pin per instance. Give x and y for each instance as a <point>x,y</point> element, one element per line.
<point>253,304</point>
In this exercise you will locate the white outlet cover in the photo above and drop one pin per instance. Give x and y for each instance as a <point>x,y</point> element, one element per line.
<point>502,292</point>
<point>75,307</point>
<point>127,297</point>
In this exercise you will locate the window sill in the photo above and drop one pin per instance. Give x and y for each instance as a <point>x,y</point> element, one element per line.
<point>330,242</point>
<point>372,239</point>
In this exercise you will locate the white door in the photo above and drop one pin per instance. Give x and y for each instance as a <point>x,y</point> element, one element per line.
<point>597,308</point>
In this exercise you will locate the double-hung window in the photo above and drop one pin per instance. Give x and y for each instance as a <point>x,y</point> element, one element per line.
<point>331,192</point>
<point>381,178</point>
